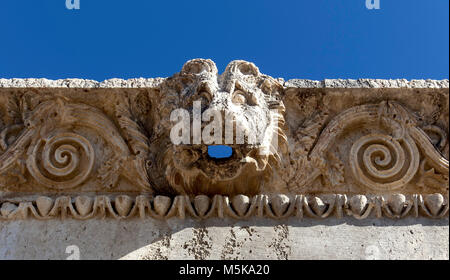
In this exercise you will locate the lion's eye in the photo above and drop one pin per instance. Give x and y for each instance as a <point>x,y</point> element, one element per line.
<point>239,98</point>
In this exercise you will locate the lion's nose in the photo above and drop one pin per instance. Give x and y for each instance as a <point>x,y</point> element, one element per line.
<point>221,125</point>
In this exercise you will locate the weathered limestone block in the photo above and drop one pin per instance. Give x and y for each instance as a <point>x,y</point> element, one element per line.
<point>254,238</point>
<point>139,148</point>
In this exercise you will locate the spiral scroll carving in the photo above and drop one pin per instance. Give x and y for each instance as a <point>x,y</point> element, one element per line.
<point>62,161</point>
<point>383,163</point>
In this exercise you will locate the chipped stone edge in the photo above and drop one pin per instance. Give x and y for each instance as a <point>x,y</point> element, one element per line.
<point>367,83</point>
<point>293,83</point>
<point>81,83</point>
<point>279,206</point>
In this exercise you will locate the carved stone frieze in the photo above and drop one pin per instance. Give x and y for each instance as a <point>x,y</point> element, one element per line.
<point>238,207</point>
<point>140,147</point>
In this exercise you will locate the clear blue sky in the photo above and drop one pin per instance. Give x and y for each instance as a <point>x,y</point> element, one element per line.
<point>313,39</point>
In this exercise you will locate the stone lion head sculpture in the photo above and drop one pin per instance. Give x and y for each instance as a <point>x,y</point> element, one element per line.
<point>198,108</point>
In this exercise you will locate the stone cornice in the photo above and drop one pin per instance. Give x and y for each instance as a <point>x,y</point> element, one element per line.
<point>154,82</point>
<point>368,147</point>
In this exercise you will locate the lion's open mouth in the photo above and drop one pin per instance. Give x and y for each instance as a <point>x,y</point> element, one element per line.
<point>218,162</point>
<point>222,161</point>
<point>220,152</point>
